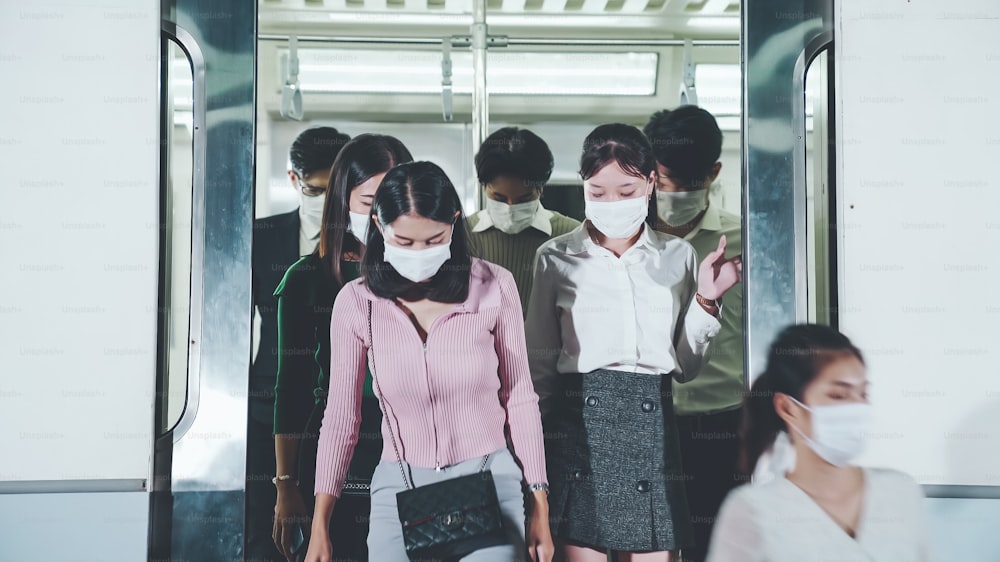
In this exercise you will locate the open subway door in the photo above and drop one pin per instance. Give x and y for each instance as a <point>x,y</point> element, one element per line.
<point>918,199</point>
<point>78,313</point>
<point>125,224</point>
<point>206,213</point>
<point>904,268</point>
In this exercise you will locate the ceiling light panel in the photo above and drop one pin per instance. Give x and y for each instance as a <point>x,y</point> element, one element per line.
<point>509,72</point>
<point>718,88</point>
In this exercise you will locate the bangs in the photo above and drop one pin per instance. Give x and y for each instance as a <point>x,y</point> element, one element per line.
<point>622,144</point>
<point>630,161</point>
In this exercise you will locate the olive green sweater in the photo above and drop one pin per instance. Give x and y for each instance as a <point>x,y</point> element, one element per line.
<point>516,252</point>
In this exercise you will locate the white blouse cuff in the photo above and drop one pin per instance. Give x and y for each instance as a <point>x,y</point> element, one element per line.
<point>702,325</point>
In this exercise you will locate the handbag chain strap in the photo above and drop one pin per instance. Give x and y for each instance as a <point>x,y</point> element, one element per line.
<point>388,420</point>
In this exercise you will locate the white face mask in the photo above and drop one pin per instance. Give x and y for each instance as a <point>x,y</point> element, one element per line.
<point>359,225</point>
<point>617,219</point>
<point>838,431</point>
<point>511,219</point>
<point>311,214</point>
<point>680,207</point>
<point>417,265</point>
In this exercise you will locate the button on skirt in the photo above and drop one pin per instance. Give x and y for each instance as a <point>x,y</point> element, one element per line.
<point>614,467</point>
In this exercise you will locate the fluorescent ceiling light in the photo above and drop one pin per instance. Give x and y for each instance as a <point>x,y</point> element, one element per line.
<point>419,72</point>
<point>730,23</point>
<point>716,6</point>
<point>718,88</point>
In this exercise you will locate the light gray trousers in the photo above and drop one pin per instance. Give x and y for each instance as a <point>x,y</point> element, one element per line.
<point>385,535</point>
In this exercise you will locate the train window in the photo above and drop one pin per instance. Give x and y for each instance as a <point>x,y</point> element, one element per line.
<point>818,192</point>
<point>175,233</point>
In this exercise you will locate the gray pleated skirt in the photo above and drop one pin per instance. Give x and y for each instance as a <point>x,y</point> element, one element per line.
<point>614,465</point>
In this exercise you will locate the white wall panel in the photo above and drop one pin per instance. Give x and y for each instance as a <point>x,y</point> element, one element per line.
<point>917,103</point>
<point>86,527</point>
<point>78,236</point>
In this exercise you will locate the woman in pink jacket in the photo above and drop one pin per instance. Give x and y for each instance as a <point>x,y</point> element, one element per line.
<point>447,351</point>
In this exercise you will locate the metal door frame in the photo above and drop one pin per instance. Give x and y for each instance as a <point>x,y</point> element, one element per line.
<point>196,510</point>
<point>779,39</point>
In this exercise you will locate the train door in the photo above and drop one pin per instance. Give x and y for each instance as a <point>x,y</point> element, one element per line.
<point>78,236</point>
<point>206,213</point>
<point>880,229</point>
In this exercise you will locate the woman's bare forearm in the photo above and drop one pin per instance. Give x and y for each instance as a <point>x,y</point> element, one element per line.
<point>286,453</point>
<point>323,513</point>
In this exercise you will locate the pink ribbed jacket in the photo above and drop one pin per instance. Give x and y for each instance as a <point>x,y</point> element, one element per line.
<point>448,401</point>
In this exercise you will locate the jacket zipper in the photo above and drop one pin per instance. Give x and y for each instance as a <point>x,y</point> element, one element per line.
<point>430,390</point>
<point>430,397</point>
<point>427,380</point>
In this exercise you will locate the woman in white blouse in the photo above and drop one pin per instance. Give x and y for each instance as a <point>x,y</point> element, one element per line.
<point>806,417</point>
<point>618,310</point>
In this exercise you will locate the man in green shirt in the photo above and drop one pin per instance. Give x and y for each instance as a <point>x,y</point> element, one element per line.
<point>687,143</point>
<point>512,166</point>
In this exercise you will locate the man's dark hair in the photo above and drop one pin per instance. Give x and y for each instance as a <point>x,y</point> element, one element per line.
<point>687,140</point>
<point>316,149</point>
<point>517,153</point>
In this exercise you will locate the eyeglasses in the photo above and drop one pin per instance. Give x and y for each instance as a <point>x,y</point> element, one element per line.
<point>311,190</point>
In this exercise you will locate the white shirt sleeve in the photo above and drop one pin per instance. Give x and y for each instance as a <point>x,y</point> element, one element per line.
<point>736,536</point>
<point>542,331</point>
<point>696,329</point>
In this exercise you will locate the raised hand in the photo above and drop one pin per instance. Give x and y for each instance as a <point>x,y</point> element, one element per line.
<point>717,274</point>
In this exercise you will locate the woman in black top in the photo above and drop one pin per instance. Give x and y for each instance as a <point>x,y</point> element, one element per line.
<point>305,299</point>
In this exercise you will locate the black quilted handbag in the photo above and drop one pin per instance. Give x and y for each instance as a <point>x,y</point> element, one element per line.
<point>451,519</point>
<point>448,519</point>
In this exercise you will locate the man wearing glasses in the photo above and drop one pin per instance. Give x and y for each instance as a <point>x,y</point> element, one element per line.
<point>278,242</point>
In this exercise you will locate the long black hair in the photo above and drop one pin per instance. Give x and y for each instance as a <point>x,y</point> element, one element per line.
<point>361,159</point>
<point>622,144</point>
<point>419,189</point>
<point>797,356</point>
